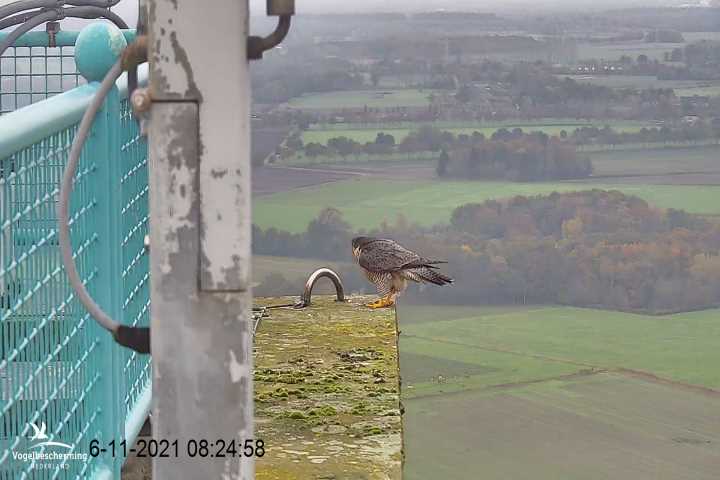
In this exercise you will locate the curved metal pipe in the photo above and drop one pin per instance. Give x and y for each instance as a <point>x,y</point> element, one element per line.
<point>259,45</point>
<point>59,14</point>
<point>92,3</point>
<point>90,12</point>
<point>22,5</point>
<point>306,297</point>
<point>39,19</point>
<point>18,19</point>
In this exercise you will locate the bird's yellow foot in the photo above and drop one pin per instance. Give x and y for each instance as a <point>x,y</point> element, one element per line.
<point>381,303</point>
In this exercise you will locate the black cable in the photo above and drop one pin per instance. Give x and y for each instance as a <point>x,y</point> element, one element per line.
<point>17,19</point>
<point>92,3</point>
<point>91,12</point>
<point>87,12</point>
<point>22,5</point>
<point>49,16</point>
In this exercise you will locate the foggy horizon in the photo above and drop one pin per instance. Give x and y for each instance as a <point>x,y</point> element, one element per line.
<point>127,8</point>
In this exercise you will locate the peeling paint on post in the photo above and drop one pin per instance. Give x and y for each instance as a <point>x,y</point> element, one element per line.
<point>200,233</point>
<point>199,54</point>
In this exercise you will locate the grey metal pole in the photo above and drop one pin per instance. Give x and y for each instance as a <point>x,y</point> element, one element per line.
<point>200,236</point>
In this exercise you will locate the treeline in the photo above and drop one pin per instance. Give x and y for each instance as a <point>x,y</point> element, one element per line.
<point>695,61</point>
<point>701,61</point>
<point>590,249</point>
<point>512,155</point>
<point>521,158</point>
<point>498,156</point>
<point>695,130</point>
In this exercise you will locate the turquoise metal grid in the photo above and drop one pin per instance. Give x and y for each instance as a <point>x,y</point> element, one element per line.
<point>31,74</point>
<point>56,365</point>
<point>32,71</point>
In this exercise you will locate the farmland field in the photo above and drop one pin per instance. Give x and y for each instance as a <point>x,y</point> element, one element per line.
<point>594,427</point>
<point>364,135</point>
<point>362,98</point>
<point>677,347</point>
<point>538,392</point>
<point>657,161</point>
<point>366,203</point>
<point>709,90</point>
<point>691,37</point>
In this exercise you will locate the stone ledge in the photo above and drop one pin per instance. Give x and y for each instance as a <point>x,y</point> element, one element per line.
<point>327,392</point>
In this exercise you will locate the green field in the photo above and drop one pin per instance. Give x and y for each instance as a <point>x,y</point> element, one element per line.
<point>657,162</point>
<point>362,98</point>
<point>538,392</point>
<point>366,203</point>
<point>364,135</point>
<point>514,343</point>
<point>710,91</point>
<point>596,427</point>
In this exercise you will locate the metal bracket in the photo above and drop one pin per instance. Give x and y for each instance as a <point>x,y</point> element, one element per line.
<point>52,29</point>
<point>306,297</point>
<point>284,9</point>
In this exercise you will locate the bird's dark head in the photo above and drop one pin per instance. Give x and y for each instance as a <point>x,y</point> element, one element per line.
<point>358,243</point>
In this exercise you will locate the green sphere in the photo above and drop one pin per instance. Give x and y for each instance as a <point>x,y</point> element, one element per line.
<point>97,48</point>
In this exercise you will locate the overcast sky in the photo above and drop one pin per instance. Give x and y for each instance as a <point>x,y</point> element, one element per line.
<point>128,8</point>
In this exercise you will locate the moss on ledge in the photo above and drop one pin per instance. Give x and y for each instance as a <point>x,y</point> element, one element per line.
<point>327,392</point>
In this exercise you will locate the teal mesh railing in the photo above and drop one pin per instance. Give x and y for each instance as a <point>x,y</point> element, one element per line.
<point>32,71</point>
<point>57,367</point>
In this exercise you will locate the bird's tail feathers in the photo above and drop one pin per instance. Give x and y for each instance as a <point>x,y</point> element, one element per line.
<point>436,278</point>
<point>423,263</point>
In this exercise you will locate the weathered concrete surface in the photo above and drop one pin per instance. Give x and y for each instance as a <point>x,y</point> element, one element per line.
<point>327,392</point>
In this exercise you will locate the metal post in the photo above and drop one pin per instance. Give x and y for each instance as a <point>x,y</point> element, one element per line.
<point>200,235</point>
<point>105,147</point>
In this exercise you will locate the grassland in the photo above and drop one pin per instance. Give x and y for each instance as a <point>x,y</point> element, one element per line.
<point>587,428</point>
<point>677,347</point>
<point>366,203</point>
<point>363,98</point>
<point>538,392</point>
<point>709,90</point>
<point>657,162</point>
<point>364,135</point>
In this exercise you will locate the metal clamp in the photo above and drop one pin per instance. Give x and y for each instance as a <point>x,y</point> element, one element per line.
<point>305,299</point>
<point>284,9</point>
<point>52,29</point>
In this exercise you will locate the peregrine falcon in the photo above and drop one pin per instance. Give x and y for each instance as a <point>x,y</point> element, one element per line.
<point>389,266</point>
